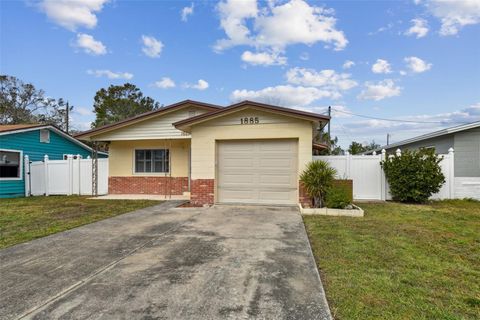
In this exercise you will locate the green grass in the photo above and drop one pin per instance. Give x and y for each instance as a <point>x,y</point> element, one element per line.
<point>401,261</point>
<point>24,219</point>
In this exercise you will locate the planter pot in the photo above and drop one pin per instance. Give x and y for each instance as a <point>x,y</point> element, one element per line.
<point>355,212</point>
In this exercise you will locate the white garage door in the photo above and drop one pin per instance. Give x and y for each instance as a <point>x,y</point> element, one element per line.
<point>257,172</point>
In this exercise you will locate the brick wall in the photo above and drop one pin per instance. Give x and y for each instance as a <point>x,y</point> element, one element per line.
<point>202,192</point>
<point>303,197</point>
<point>147,185</point>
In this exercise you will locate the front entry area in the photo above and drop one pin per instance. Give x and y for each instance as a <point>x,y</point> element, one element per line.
<point>257,171</point>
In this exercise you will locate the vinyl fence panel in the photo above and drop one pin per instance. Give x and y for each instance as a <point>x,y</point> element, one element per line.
<point>369,182</point>
<point>65,177</point>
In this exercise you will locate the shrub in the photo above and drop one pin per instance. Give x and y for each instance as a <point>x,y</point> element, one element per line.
<point>338,197</point>
<point>414,176</point>
<point>317,179</point>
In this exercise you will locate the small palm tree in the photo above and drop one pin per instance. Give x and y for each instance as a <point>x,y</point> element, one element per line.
<point>317,179</point>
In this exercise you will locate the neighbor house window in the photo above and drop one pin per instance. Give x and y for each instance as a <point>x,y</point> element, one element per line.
<point>152,160</point>
<point>45,135</point>
<point>10,164</point>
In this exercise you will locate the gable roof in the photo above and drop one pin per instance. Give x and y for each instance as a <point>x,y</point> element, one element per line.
<point>147,115</point>
<point>14,127</point>
<point>186,123</point>
<point>430,135</point>
<point>18,128</point>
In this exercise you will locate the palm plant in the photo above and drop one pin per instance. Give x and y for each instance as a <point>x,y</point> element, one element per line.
<point>317,179</point>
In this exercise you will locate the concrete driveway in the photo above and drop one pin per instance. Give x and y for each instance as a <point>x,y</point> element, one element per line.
<point>164,263</point>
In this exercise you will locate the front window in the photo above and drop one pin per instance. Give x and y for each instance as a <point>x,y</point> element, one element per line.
<point>10,164</point>
<point>152,161</point>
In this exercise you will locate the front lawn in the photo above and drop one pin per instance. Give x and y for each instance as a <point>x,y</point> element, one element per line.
<point>24,219</point>
<point>401,261</point>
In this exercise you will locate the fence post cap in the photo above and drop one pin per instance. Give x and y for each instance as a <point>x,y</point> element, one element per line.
<point>45,157</point>
<point>384,151</point>
<point>450,150</point>
<point>374,153</point>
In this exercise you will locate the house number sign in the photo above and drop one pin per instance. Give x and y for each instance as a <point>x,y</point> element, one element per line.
<point>249,120</point>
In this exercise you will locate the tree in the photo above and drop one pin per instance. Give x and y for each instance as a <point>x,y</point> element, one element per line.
<point>117,103</point>
<point>317,179</point>
<point>334,148</point>
<point>357,147</point>
<point>22,103</point>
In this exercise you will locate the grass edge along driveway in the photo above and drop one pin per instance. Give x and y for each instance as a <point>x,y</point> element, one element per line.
<point>25,219</point>
<point>401,261</point>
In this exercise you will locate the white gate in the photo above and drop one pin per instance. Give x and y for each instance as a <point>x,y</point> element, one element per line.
<point>369,182</point>
<point>64,177</point>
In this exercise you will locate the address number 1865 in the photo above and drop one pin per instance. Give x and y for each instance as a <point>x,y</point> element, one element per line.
<point>251,120</point>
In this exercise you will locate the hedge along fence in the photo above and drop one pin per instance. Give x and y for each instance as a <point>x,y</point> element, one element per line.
<point>369,182</point>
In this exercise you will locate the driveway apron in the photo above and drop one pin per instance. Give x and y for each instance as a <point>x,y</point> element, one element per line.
<point>234,262</point>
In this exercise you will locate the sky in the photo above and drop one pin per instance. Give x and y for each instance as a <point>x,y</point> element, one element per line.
<point>415,62</point>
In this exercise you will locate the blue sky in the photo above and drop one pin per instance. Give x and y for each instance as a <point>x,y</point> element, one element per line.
<point>405,60</point>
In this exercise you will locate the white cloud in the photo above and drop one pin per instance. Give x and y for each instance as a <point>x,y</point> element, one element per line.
<point>73,14</point>
<point>277,25</point>
<point>263,58</point>
<point>326,79</point>
<point>304,56</point>
<point>90,45</point>
<point>380,90</point>
<point>454,14</point>
<point>377,129</point>
<point>286,95</point>
<point>348,64</point>
<point>419,28</point>
<point>187,11</point>
<point>151,46</point>
<point>381,66</point>
<point>382,29</point>
<point>417,65</point>
<point>164,83</point>
<point>110,74</point>
<point>200,85</point>
<point>83,111</point>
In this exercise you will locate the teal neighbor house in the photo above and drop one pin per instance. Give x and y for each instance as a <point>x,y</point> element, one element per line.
<point>34,141</point>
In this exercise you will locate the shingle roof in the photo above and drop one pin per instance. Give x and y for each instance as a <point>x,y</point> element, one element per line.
<point>13,127</point>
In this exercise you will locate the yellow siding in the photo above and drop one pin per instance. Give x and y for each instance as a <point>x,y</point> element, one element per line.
<point>121,156</point>
<point>271,126</point>
<point>159,127</point>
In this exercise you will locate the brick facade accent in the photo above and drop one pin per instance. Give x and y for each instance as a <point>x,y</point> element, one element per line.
<point>303,197</point>
<point>148,185</point>
<point>202,192</point>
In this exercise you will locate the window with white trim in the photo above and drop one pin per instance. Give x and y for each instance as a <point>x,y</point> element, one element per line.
<point>44,135</point>
<point>152,161</point>
<point>10,164</point>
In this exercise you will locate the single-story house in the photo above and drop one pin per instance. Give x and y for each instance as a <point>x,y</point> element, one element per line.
<point>465,141</point>
<point>247,152</point>
<point>34,141</point>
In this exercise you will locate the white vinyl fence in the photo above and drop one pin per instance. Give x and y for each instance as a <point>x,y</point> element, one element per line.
<point>64,177</point>
<point>369,182</point>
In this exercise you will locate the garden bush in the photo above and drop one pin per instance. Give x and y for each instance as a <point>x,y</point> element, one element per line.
<point>338,197</point>
<point>414,176</point>
<point>317,179</point>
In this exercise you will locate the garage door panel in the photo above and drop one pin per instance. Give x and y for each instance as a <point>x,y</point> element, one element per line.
<point>276,179</point>
<point>237,178</point>
<point>257,171</point>
<point>237,195</point>
<point>276,163</point>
